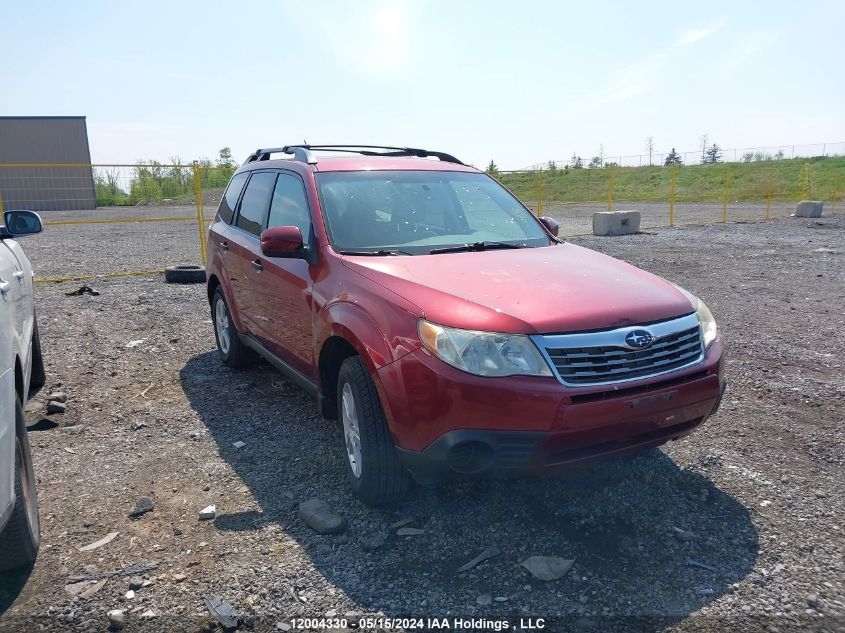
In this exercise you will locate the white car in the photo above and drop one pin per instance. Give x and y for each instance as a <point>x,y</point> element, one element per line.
<point>21,370</point>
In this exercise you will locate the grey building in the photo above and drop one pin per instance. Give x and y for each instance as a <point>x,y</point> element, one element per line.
<point>52,141</point>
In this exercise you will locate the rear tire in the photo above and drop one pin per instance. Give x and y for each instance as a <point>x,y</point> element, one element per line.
<point>20,539</point>
<point>232,351</point>
<point>374,470</point>
<point>38,376</point>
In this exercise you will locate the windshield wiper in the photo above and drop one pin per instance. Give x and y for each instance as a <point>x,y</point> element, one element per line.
<point>379,253</point>
<point>475,246</point>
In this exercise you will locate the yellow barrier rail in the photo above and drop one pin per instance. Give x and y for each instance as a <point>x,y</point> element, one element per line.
<point>158,211</point>
<point>123,221</point>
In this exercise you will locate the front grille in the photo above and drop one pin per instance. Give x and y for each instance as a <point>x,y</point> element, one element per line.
<point>602,357</point>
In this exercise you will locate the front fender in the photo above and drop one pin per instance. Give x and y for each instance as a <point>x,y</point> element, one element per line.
<point>379,342</point>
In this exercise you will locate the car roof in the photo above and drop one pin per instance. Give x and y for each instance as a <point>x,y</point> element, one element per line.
<point>360,163</point>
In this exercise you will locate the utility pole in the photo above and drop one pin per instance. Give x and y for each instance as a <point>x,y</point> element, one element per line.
<point>649,147</point>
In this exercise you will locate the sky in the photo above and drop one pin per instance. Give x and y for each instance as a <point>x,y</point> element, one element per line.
<point>515,82</point>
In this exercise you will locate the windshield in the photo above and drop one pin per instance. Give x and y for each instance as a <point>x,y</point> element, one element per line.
<point>415,212</point>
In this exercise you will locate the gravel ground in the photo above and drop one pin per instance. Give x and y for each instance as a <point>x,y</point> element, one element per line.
<point>66,248</point>
<point>755,496</point>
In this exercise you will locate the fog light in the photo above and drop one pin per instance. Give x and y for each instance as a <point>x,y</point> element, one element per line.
<point>470,457</point>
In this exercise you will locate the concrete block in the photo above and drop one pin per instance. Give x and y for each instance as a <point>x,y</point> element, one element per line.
<point>809,209</point>
<point>616,222</point>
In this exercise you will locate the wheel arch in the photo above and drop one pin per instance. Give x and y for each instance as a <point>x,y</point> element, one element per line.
<point>215,282</point>
<point>20,383</point>
<point>348,328</point>
<point>211,287</point>
<point>334,351</point>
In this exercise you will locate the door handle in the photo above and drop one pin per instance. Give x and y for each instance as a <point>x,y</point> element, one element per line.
<point>224,246</point>
<point>257,265</point>
<point>18,275</point>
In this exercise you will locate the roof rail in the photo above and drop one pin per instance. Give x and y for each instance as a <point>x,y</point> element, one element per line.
<point>300,153</point>
<point>303,153</point>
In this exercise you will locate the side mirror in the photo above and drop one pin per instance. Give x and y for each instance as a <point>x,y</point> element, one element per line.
<point>22,222</point>
<point>281,241</point>
<point>551,225</point>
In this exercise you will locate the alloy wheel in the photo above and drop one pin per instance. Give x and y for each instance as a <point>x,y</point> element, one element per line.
<point>351,430</point>
<point>221,323</point>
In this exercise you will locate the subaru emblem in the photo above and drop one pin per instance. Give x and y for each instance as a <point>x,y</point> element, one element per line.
<point>639,339</point>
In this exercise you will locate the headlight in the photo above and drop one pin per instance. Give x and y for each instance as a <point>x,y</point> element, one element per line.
<point>708,323</point>
<point>705,317</point>
<point>484,353</point>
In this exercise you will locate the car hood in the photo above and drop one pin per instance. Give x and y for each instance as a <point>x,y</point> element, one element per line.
<point>556,289</point>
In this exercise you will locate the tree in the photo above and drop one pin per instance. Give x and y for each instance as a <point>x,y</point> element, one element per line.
<point>747,157</point>
<point>673,158</point>
<point>610,163</point>
<point>779,155</point>
<point>712,155</point>
<point>575,162</point>
<point>649,147</point>
<point>225,159</point>
<point>492,169</point>
<point>552,165</point>
<point>595,162</point>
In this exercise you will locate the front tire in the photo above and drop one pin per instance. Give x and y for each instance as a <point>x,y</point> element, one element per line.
<point>20,539</point>
<point>372,465</point>
<point>232,351</point>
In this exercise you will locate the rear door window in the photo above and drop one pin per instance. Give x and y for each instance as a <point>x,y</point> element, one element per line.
<point>255,202</point>
<point>227,204</point>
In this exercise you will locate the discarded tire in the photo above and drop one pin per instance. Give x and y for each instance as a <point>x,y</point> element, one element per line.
<point>184,274</point>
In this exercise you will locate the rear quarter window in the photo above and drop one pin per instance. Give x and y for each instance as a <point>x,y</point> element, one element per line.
<point>227,204</point>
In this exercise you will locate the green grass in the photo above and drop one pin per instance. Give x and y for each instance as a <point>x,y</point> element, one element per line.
<point>821,178</point>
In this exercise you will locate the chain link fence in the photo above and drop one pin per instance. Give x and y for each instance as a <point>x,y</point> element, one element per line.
<point>114,220</point>
<point>679,194</point>
<point>119,220</point>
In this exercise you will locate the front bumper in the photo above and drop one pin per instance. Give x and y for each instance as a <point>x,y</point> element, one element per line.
<point>446,422</point>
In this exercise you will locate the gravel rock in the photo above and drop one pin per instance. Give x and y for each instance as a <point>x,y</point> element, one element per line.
<point>136,582</point>
<point>487,554</point>
<point>409,531</point>
<point>142,506</point>
<point>76,588</point>
<point>547,567</point>
<point>374,541</point>
<point>56,407</point>
<point>108,538</point>
<point>57,396</point>
<point>684,535</point>
<point>319,517</point>
<point>208,513</point>
<point>116,619</point>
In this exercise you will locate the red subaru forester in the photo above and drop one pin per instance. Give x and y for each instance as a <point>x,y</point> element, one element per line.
<point>447,328</point>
